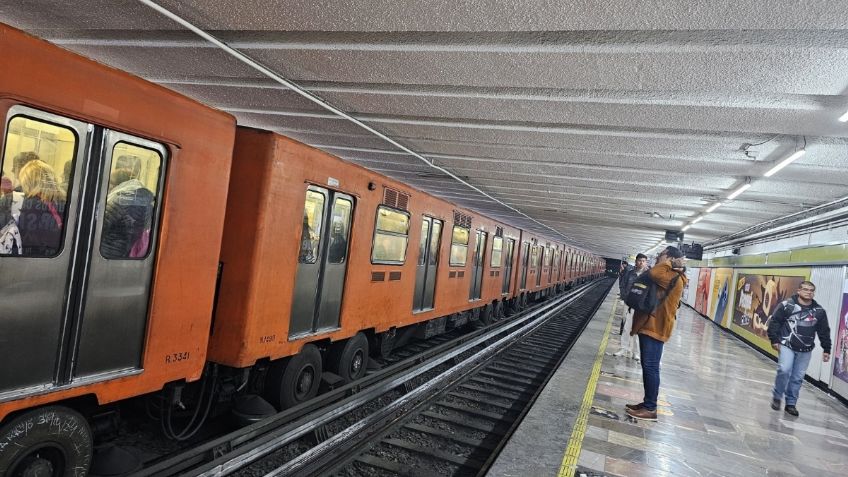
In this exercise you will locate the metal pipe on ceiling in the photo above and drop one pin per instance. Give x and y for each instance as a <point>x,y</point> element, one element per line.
<point>329,107</point>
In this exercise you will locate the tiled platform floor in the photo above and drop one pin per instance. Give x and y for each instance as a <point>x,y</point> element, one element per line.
<point>715,418</point>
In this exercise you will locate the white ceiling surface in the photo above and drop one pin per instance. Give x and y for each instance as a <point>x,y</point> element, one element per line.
<point>585,115</point>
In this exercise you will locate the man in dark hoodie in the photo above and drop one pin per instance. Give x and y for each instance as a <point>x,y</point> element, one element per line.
<point>792,330</point>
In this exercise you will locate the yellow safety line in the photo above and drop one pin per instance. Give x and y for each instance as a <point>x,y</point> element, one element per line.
<point>575,443</point>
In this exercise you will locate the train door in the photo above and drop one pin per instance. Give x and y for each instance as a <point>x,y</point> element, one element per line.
<point>477,267</point>
<point>557,265</point>
<point>507,270</point>
<point>322,261</point>
<point>428,264</point>
<point>76,260</point>
<point>525,259</point>
<point>121,262</point>
<point>538,263</point>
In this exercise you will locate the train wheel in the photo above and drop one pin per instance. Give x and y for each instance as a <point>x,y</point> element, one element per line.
<point>350,358</point>
<point>294,380</point>
<point>498,312</point>
<point>51,441</point>
<point>484,317</point>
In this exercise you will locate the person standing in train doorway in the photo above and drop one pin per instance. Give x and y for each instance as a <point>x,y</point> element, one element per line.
<point>792,331</point>
<point>655,328</point>
<point>629,345</point>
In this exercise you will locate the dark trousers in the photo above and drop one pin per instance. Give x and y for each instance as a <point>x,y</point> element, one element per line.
<point>651,354</point>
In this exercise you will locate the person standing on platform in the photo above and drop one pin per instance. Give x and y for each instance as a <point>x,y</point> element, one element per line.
<point>623,287</point>
<point>654,328</point>
<point>792,332</point>
<point>629,346</point>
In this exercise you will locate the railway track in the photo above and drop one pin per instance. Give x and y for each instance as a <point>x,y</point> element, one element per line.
<point>445,411</point>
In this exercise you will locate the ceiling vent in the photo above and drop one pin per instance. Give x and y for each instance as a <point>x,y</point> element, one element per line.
<point>395,199</point>
<point>462,220</point>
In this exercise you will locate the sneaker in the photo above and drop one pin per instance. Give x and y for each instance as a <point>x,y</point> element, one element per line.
<point>642,414</point>
<point>635,407</point>
<point>791,410</point>
<point>775,404</point>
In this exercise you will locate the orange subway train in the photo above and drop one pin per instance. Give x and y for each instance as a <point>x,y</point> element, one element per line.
<point>149,244</point>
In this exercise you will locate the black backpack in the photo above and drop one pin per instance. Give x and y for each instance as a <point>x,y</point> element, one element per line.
<point>642,296</point>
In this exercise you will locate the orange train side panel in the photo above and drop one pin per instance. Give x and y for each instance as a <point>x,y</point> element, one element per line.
<point>200,142</point>
<point>262,238</point>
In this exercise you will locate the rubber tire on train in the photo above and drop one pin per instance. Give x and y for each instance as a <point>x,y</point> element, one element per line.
<point>46,438</point>
<point>498,312</point>
<point>281,385</point>
<point>343,356</point>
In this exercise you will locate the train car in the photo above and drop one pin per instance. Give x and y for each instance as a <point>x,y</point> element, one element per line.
<point>96,309</point>
<point>352,258</point>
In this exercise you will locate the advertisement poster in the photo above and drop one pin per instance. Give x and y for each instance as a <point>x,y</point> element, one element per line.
<point>691,284</point>
<point>702,292</point>
<point>722,290</point>
<point>840,349</point>
<point>758,292</point>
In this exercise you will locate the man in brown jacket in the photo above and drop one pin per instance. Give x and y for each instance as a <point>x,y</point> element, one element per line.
<point>654,329</point>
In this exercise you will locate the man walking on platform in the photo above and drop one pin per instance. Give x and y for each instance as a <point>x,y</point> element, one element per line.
<point>654,328</point>
<point>792,332</point>
<point>629,345</point>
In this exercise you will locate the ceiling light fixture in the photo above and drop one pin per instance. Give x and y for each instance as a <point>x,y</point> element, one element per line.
<point>785,162</point>
<point>684,229</point>
<point>698,219</point>
<point>843,118</point>
<point>741,189</point>
<point>714,207</point>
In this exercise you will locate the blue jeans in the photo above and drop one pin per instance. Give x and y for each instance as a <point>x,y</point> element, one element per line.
<point>791,367</point>
<point>651,353</point>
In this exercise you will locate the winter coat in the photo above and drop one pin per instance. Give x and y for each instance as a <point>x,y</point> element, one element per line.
<point>795,325</point>
<point>660,322</point>
<point>40,227</point>
<point>128,214</point>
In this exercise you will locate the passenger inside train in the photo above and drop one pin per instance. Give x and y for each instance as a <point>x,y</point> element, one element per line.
<point>128,213</point>
<point>42,210</point>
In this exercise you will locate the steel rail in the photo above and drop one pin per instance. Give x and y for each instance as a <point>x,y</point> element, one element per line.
<point>520,329</point>
<point>198,455</point>
<point>244,446</point>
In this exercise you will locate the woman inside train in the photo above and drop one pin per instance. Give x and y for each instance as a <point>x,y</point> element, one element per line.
<point>42,211</point>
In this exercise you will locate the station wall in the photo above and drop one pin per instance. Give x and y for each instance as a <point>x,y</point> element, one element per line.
<point>739,292</point>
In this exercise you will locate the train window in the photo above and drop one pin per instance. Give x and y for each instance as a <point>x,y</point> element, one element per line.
<point>534,256</point>
<point>339,231</point>
<point>497,252</point>
<point>459,246</point>
<point>391,233</point>
<point>313,214</point>
<point>548,256</point>
<point>36,171</point>
<point>130,202</point>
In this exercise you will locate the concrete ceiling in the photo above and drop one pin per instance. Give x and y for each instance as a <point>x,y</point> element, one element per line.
<point>587,116</point>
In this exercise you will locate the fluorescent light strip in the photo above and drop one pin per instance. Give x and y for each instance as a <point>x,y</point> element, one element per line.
<point>700,218</point>
<point>738,191</point>
<point>684,229</point>
<point>714,207</point>
<point>785,163</point>
<point>843,118</point>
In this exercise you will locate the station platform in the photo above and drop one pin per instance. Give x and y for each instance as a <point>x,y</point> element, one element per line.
<point>715,417</point>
